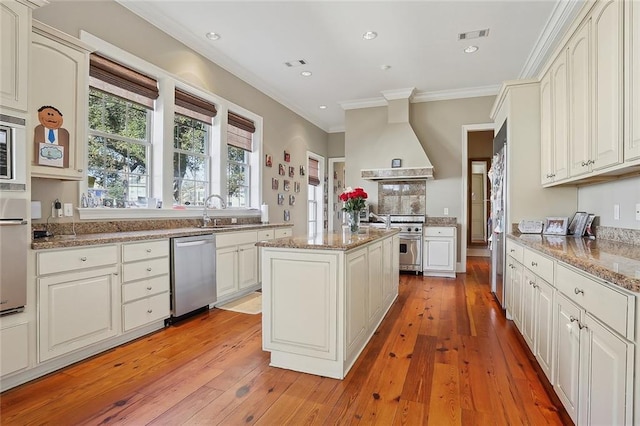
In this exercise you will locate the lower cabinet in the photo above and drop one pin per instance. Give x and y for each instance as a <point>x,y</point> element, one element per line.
<point>236,263</point>
<point>439,251</point>
<point>14,348</point>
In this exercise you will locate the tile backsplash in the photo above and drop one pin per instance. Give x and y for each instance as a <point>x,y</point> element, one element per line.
<point>402,197</point>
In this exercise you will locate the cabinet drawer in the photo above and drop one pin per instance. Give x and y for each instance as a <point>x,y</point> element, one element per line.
<point>515,250</point>
<point>145,269</point>
<point>145,250</point>
<point>438,231</point>
<point>50,262</point>
<point>283,232</point>
<point>145,288</point>
<point>267,234</point>
<point>538,264</point>
<point>144,311</point>
<point>614,308</point>
<point>235,238</point>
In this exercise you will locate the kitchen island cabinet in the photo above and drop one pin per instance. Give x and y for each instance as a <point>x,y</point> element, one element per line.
<point>324,298</point>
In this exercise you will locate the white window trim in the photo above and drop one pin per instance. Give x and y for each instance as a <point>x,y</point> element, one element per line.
<point>319,190</point>
<point>163,128</point>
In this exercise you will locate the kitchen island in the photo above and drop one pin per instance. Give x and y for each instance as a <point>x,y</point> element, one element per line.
<point>324,297</point>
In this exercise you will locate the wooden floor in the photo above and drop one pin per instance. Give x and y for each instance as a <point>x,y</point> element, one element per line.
<point>443,355</point>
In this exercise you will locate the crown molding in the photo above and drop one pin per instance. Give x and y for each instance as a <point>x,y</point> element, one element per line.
<point>363,103</point>
<point>391,95</point>
<point>444,95</point>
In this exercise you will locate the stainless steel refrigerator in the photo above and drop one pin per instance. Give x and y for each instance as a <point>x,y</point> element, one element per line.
<point>497,222</point>
<point>14,247</point>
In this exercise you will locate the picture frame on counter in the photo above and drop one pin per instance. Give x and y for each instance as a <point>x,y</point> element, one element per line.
<point>578,224</point>
<point>556,225</point>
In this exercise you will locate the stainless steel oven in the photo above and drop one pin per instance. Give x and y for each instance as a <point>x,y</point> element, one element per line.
<point>411,240</point>
<point>14,247</point>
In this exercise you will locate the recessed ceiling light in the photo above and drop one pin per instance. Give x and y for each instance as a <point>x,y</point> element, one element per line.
<point>369,35</point>
<point>306,73</point>
<point>213,36</point>
<point>385,67</point>
<point>470,49</point>
<point>322,107</point>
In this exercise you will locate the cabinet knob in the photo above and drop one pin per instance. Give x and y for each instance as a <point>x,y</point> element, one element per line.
<point>80,170</point>
<point>149,311</point>
<point>84,259</point>
<point>534,264</point>
<point>148,250</point>
<point>573,319</point>
<point>511,250</point>
<point>116,274</point>
<point>535,285</point>
<point>581,326</point>
<point>149,288</point>
<point>578,291</point>
<point>149,269</point>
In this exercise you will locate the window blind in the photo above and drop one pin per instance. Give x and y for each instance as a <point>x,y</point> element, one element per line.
<point>240,132</point>
<point>194,107</point>
<point>314,172</point>
<point>119,80</point>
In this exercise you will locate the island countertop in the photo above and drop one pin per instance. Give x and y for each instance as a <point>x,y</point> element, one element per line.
<point>615,262</point>
<point>329,241</point>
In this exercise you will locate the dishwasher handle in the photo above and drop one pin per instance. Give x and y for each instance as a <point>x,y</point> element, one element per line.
<point>12,222</point>
<point>193,243</point>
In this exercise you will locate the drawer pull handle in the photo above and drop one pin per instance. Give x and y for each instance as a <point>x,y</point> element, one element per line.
<point>578,291</point>
<point>149,269</point>
<point>148,250</point>
<point>149,311</point>
<point>582,326</point>
<point>534,264</point>
<point>535,285</point>
<point>573,319</point>
<point>511,250</point>
<point>149,288</point>
<point>84,259</point>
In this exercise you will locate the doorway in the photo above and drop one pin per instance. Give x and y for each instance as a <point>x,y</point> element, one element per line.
<point>478,202</point>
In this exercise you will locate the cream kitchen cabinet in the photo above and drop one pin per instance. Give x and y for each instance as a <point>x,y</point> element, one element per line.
<point>513,291</point>
<point>77,298</point>
<point>145,283</point>
<point>14,45</point>
<point>390,268</point>
<point>236,264</point>
<point>270,234</point>
<point>439,257</point>
<point>594,356</point>
<point>59,77</point>
<point>632,53</point>
<point>14,348</point>
<point>376,281</point>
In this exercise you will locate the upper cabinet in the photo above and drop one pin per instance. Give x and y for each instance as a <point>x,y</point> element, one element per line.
<point>58,102</point>
<point>593,98</point>
<point>14,44</point>
<point>632,53</point>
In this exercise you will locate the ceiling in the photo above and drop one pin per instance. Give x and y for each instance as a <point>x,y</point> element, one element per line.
<point>417,40</point>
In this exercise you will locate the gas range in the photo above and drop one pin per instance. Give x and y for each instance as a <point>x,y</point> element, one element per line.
<point>408,224</point>
<point>410,246</point>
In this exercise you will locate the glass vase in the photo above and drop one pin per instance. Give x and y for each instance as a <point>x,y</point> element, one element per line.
<point>353,220</point>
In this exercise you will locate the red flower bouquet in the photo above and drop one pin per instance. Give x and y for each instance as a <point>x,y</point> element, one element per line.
<point>353,199</point>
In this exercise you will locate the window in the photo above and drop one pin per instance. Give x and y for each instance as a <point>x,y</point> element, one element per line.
<point>191,148</point>
<point>120,107</point>
<point>239,150</point>
<point>315,218</point>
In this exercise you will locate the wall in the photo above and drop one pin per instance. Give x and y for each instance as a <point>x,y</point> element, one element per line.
<point>283,129</point>
<point>599,199</point>
<point>335,148</point>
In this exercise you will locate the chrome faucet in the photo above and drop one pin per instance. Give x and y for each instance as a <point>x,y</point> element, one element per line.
<point>386,220</point>
<point>205,217</point>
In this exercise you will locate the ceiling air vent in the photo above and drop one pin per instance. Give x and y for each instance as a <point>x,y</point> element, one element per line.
<point>473,34</point>
<point>295,63</point>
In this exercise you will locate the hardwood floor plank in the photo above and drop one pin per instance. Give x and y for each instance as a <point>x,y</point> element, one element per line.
<point>444,406</point>
<point>417,386</point>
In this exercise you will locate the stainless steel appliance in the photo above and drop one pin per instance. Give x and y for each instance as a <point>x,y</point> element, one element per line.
<point>498,176</point>
<point>411,239</point>
<point>193,273</point>
<point>12,153</point>
<point>14,237</point>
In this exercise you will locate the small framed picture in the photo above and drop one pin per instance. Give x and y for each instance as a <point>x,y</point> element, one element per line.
<point>281,170</point>
<point>396,162</point>
<point>268,161</point>
<point>578,224</point>
<point>287,157</point>
<point>296,186</point>
<point>274,183</point>
<point>302,171</point>
<point>556,225</point>
<point>292,200</point>
<point>280,199</point>
<point>287,216</point>
<point>286,185</point>
<point>292,171</point>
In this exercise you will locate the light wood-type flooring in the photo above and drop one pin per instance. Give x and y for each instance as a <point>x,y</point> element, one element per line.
<point>443,355</point>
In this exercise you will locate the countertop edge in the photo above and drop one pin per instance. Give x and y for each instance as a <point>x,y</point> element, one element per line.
<point>302,243</point>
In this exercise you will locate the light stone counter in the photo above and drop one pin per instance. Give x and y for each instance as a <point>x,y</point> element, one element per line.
<point>330,241</point>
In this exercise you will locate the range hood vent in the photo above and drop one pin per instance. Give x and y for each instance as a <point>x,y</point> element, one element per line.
<point>398,137</point>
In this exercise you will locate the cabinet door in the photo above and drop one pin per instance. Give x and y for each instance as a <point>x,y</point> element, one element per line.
<point>560,103</point>
<point>439,254</point>
<point>529,291</point>
<point>76,310</point>
<point>579,52</point>
<point>517,287</point>
<point>544,327</point>
<point>357,273</point>
<point>508,288</point>
<point>14,45</point>
<point>374,308</point>
<point>632,139</point>
<point>608,59</point>
<point>389,287</point>
<point>59,77</point>
<point>247,265</point>
<point>546,130</point>
<point>14,348</point>
<point>226,271</point>
<point>567,354</point>
<point>606,391</point>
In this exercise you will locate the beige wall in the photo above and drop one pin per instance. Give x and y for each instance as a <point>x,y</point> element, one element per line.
<point>335,147</point>
<point>283,129</point>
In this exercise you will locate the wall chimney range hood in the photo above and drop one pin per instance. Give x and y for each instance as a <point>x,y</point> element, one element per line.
<point>399,134</point>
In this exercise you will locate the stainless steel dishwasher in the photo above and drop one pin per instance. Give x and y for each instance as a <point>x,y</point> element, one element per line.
<point>193,273</point>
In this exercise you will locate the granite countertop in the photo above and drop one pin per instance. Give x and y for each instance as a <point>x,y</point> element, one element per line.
<point>441,221</point>
<point>61,241</point>
<point>329,241</point>
<point>615,262</point>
